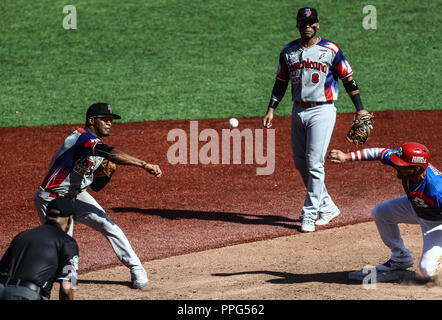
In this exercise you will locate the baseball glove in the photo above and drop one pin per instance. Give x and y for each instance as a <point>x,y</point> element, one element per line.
<point>103,174</point>
<point>360,129</point>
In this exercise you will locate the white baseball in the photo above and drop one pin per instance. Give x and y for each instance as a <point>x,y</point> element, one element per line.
<point>233,122</point>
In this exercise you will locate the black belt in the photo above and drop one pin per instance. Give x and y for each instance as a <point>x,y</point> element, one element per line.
<point>21,283</point>
<point>308,104</point>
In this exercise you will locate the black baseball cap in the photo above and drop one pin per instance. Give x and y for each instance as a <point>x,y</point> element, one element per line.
<point>307,13</point>
<point>101,109</point>
<point>60,207</point>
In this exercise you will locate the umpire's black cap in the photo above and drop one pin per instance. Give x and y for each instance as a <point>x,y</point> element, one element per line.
<point>307,13</point>
<point>60,207</point>
<point>101,109</point>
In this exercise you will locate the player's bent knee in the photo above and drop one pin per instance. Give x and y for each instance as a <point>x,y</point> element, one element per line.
<point>377,212</point>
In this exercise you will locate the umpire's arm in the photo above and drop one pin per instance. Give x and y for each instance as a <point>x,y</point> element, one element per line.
<point>66,291</point>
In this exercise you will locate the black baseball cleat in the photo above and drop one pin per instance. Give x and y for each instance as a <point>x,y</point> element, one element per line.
<point>391,265</point>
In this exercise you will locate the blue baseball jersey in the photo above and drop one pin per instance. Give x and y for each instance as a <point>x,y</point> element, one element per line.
<point>72,167</point>
<point>426,196</point>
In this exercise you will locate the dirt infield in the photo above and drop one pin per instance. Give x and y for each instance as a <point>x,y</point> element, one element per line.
<point>304,266</point>
<point>198,207</point>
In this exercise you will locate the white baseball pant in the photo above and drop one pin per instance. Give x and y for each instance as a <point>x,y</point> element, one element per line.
<point>89,212</point>
<point>311,132</point>
<point>389,214</point>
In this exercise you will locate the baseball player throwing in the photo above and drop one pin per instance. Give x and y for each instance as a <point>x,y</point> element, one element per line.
<point>422,204</point>
<point>313,65</point>
<point>71,172</point>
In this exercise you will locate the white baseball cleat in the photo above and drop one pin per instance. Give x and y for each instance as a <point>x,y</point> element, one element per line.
<point>139,279</point>
<point>308,225</point>
<point>326,217</point>
<point>391,265</point>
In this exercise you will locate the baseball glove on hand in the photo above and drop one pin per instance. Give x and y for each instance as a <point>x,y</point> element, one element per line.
<point>103,175</point>
<point>361,128</point>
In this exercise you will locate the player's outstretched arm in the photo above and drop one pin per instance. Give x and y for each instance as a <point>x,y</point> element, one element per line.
<point>337,156</point>
<point>123,158</point>
<point>367,154</point>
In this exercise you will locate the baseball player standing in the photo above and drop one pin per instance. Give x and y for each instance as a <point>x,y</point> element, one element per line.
<point>422,204</point>
<point>71,172</point>
<point>313,65</point>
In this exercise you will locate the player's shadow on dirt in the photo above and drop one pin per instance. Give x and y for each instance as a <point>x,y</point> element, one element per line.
<point>291,278</point>
<point>243,218</point>
<point>106,282</point>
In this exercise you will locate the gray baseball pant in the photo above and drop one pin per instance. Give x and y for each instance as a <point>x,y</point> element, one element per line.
<point>89,212</point>
<point>389,214</point>
<point>311,132</point>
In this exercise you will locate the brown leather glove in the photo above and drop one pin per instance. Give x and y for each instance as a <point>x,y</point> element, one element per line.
<point>103,175</point>
<point>361,129</point>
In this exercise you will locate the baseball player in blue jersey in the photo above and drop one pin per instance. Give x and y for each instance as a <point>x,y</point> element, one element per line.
<point>422,204</point>
<point>71,172</point>
<point>313,65</point>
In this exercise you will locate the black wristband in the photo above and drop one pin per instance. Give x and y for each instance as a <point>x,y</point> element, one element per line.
<point>351,86</point>
<point>273,102</point>
<point>357,101</point>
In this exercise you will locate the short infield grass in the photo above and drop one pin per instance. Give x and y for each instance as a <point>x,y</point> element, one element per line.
<point>171,59</point>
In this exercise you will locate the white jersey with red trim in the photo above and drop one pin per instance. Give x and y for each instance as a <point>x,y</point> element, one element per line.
<point>314,71</point>
<point>72,168</point>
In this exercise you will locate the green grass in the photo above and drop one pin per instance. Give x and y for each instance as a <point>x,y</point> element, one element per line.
<point>156,60</point>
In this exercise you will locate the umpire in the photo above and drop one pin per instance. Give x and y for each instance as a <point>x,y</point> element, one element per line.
<point>38,257</point>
